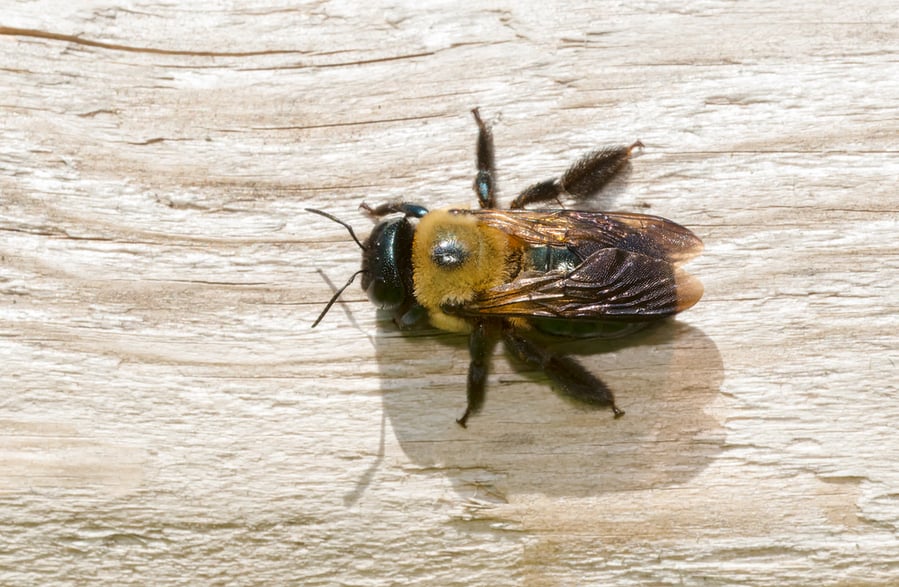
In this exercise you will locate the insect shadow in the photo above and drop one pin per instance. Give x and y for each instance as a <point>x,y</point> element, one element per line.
<point>529,439</point>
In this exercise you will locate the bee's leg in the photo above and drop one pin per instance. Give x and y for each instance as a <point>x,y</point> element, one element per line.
<point>483,181</point>
<point>413,210</point>
<point>411,317</point>
<point>480,343</point>
<point>583,179</point>
<point>570,376</point>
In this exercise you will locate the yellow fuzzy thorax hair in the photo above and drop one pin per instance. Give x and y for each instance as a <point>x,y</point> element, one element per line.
<point>484,261</point>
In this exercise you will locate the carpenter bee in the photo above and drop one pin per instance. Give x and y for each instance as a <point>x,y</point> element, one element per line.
<point>526,276</point>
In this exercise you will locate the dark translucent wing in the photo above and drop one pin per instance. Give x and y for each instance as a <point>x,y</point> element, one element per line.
<point>658,237</point>
<point>611,284</point>
<point>587,231</point>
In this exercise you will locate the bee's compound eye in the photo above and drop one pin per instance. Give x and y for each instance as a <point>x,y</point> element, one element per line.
<point>449,253</point>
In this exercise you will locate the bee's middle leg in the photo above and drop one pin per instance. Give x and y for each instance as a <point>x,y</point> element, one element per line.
<point>572,379</point>
<point>480,345</point>
<point>484,181</point>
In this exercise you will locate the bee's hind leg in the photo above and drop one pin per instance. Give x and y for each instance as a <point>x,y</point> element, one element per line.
<point>569,376</point>
<point>585,177</point>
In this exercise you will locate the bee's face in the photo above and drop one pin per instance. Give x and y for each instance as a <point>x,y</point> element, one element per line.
<point>387,263</point>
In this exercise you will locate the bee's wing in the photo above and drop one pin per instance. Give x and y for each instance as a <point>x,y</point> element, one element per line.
<point>611,284</point>
<point>586,232</point>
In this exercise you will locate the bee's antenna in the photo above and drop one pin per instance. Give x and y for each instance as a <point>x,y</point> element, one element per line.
<point>343,224</point>
<point>339,291</point>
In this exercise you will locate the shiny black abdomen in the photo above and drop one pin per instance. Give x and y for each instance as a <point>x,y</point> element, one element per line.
<point>553,258</point>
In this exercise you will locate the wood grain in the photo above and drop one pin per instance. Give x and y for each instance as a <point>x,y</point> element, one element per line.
<point>168,416</point>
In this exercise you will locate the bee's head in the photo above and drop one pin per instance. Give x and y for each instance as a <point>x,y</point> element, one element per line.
<point>386,263</point>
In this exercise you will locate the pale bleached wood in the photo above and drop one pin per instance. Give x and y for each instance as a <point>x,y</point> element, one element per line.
<point>169,417</point>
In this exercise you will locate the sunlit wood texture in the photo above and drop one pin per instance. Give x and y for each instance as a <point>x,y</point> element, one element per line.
<point>168,416</point>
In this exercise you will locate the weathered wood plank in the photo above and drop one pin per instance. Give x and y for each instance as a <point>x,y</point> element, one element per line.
<point>168,416</point>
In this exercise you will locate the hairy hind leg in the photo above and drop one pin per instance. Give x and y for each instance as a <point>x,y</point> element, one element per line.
<point>583,179</point>
<point>569,376</point>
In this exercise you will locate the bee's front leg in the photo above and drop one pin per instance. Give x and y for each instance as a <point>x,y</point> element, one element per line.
<point>411,317</point>
<point>570,376</point>
<point>480,345</point>
<point>408,210</point>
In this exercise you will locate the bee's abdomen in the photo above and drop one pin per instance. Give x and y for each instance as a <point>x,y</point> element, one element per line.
<point>544,259</point>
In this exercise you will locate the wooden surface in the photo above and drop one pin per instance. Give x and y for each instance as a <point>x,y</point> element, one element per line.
<point>169,417</point>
